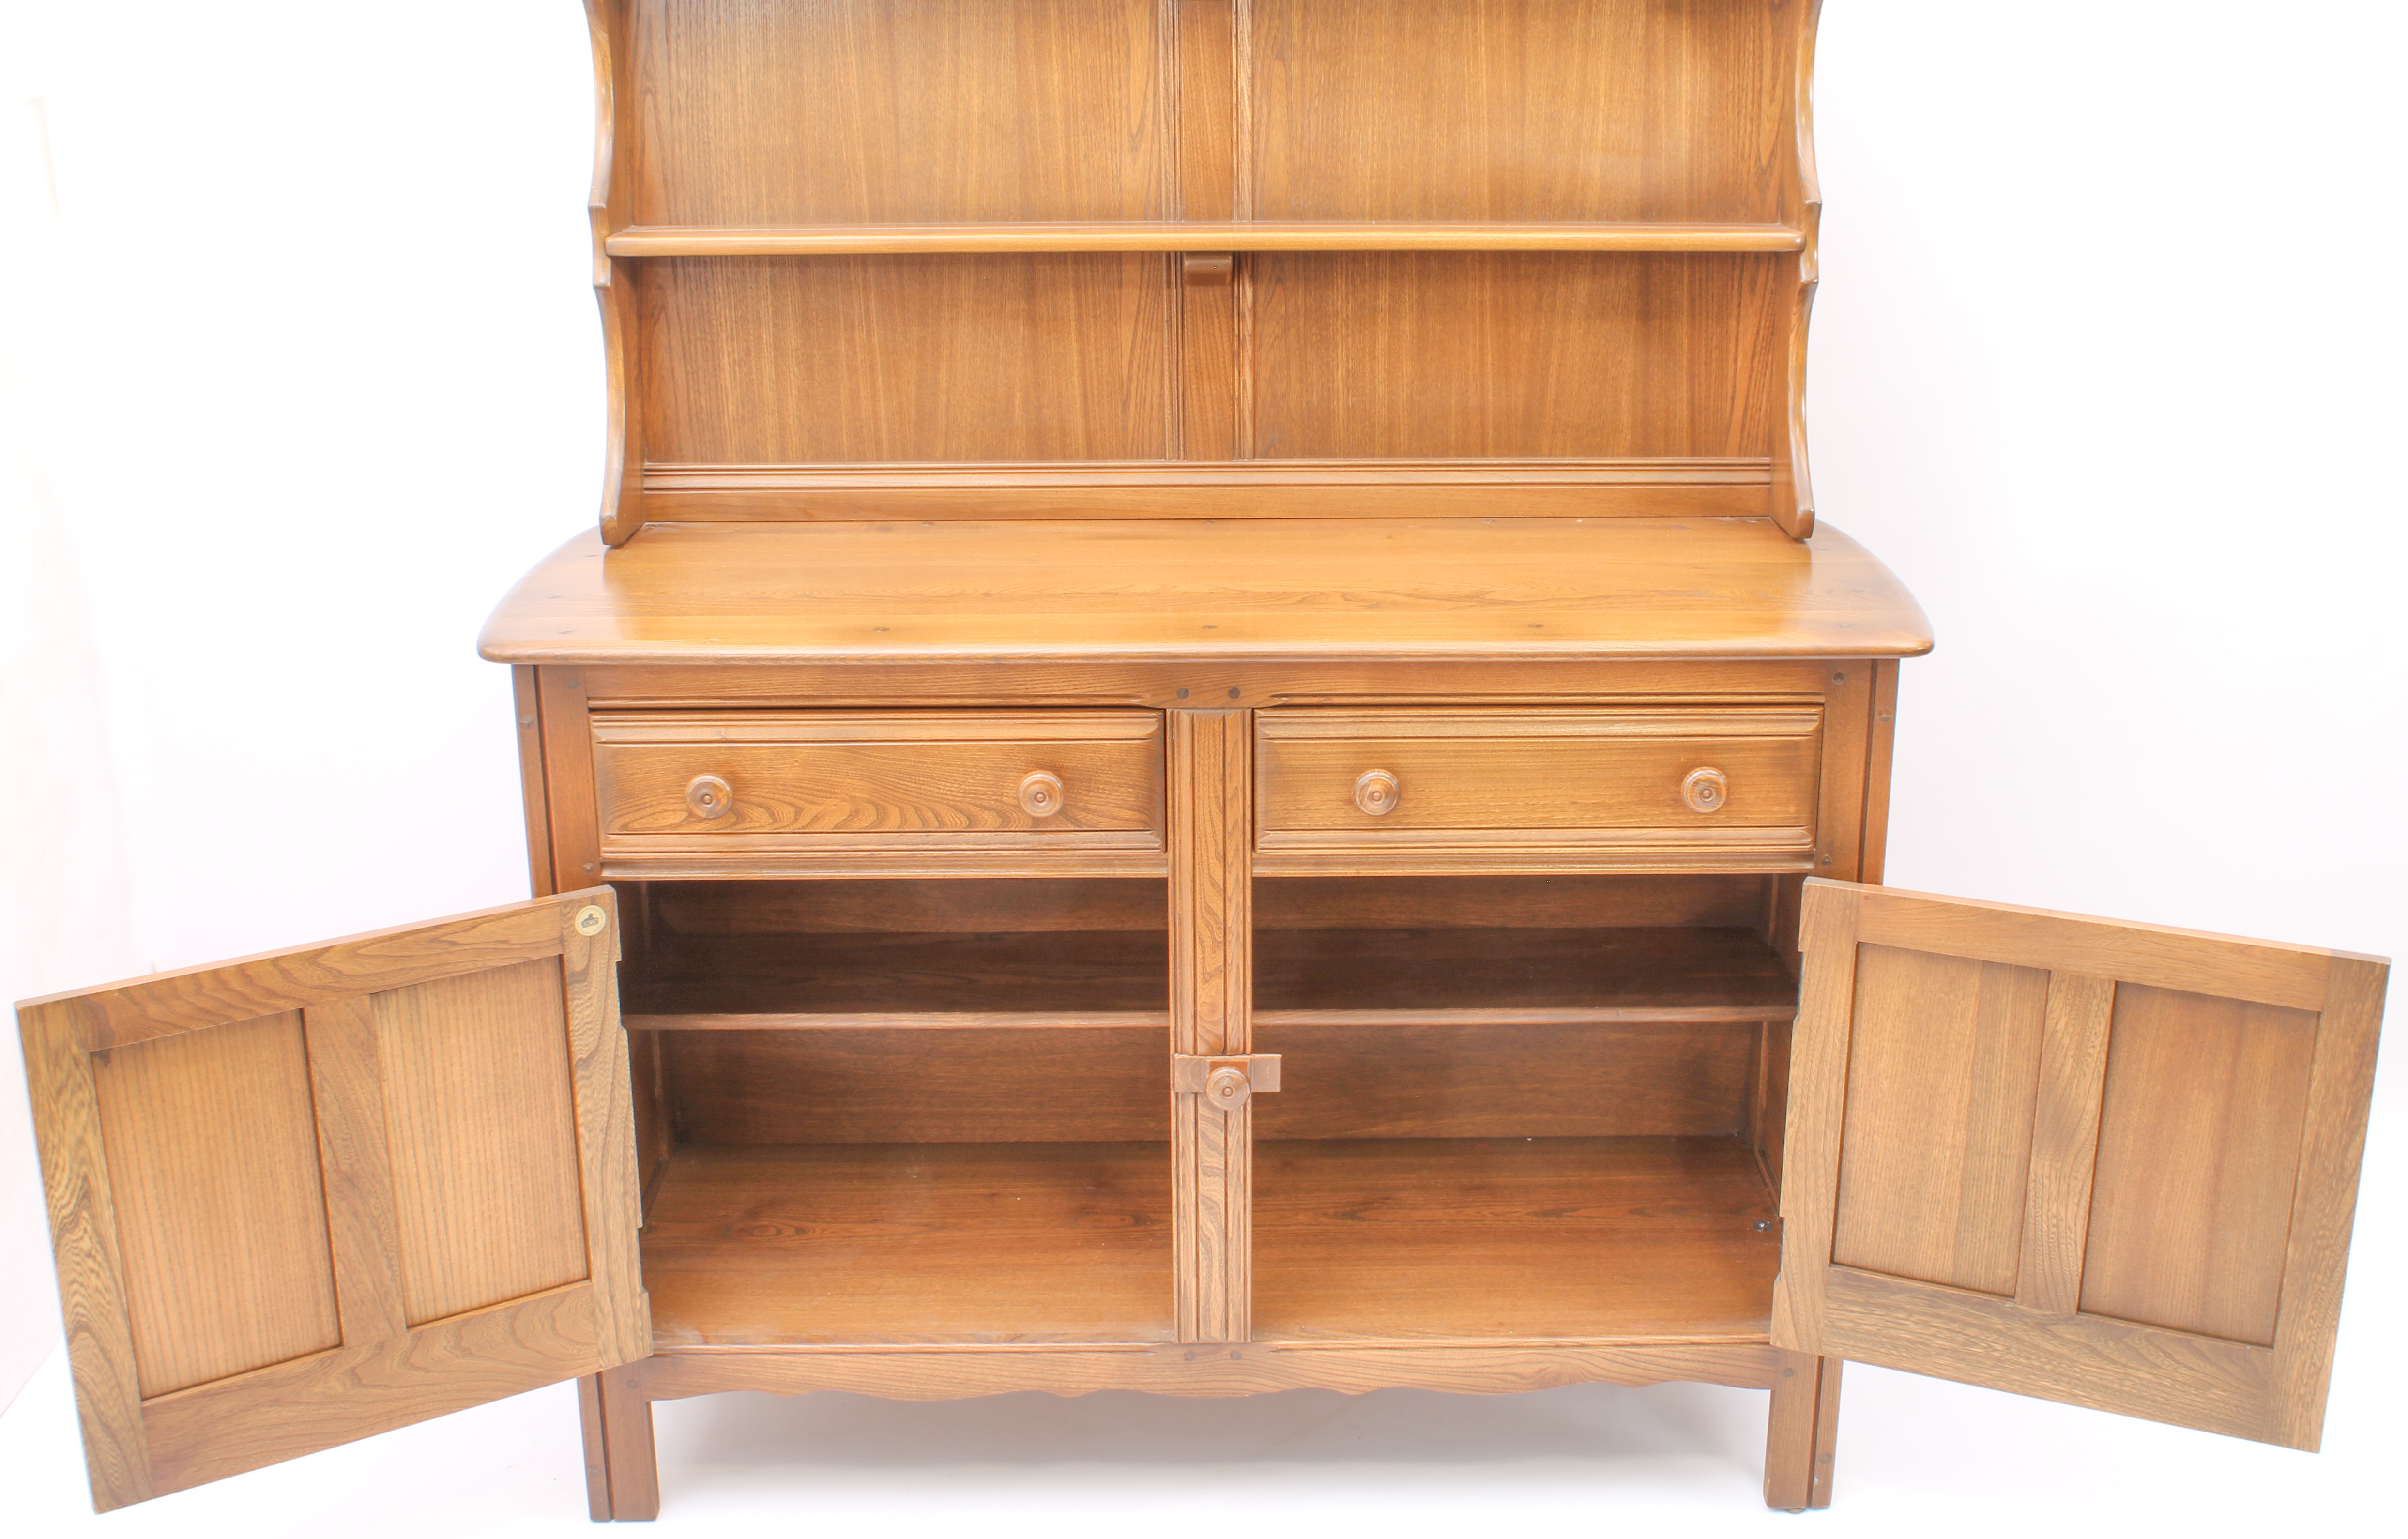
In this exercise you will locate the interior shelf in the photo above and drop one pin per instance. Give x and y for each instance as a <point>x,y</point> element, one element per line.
<point>1302,977</point>
<point>907,1242</point>
<point>829,241</point>
<point>1064,978</point>
<point>1658,1239</point>
<point>1629,1239</point>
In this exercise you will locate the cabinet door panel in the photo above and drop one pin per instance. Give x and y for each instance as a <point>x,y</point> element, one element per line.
<point>2103,1163</point>
<point>307,1197</point>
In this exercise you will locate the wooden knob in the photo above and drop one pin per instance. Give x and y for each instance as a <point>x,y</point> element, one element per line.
<point>1705,790</point>
<point>708,796</point>
<point>1228,1088</point>
<point>1376,792</point>
<point>1040,794</point>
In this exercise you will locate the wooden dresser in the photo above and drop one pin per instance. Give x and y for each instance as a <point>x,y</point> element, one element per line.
<point>1219,752</point>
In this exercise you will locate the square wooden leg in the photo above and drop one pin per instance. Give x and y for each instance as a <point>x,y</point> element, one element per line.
<point>1803,1427</point>
<point>623,1480</point>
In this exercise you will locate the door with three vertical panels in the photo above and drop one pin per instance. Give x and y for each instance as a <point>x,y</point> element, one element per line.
<point>311,1196</point>
<point>2103,1163</point>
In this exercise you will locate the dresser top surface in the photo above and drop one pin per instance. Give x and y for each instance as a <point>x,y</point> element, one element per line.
<point>1095,590</point>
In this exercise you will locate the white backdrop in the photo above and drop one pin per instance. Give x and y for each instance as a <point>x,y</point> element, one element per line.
<point>305,372</point>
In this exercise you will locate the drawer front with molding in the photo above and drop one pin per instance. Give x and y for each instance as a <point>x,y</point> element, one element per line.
<point>1535,789</point>
<point>856,793</point>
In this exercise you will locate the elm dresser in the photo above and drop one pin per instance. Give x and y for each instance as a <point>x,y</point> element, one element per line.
<point>1208,745</point>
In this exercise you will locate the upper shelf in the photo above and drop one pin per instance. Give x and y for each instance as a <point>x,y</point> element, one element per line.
<point>1316,235</point>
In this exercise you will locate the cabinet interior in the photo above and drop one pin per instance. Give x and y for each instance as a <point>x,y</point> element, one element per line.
<point>938,1110</point>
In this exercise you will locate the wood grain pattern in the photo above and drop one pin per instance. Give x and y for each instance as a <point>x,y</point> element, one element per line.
<point>1199,234</point>
<point>166,1003</point>
<point>2152,1263</point>
<point>1407,591</point>
<point>1518,355</point>
<point>1801,1432</point>
<point>1227,1369</point>
<point>529,714</point>
<point>620,1425</point>
<point>263,1417</point>
<point>1604,782</point>
<point>868,1084</point>
<point>483,1139</point>
<point>2134,1371</point>
<point>85,1246</point>
<point>576,833</point>
<point>608,1169</point>
<point>1210,336</point>
<point>926,907</point>
<point>1030,1079</point>
<point>1355,681</point>
<point>609,206</point>
<point>1039,973</point>
<point>213,1167</point>
<point>836,772</point>
<point>1518,109</point>
<point>1943,1058</point>
<point>887,111</point>
<point>1650,974</point>
<point>2326,1200</point>
<point>1212,989</point>
<point>253,1296</point>
<point>1847,729</point>
<point>2197,1158</point>
<point>1512,1239</point>
<point>2261,971</point>
<point>355,1162</point>
<point>1482,903</point>
<point>1471,1080</point>
<point>2064,1142</point>
<point>901,1242</point>
<point>879,359</point>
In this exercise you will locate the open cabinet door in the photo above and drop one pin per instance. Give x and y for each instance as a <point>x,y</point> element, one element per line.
<point>2108,1164</point>
<point>305,1197</point>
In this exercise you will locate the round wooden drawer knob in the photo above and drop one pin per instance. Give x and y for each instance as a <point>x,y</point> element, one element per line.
<point>1228,1088</point>
<point>1376,792</point>
<point>1705,790</point>
<point>1040,794</point>
<point>708,796</point>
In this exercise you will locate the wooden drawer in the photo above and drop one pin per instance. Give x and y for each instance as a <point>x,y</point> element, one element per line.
<point>900,793</point>
<point>1543,789</point>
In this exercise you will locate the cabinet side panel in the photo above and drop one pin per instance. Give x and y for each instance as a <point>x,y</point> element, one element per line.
<point>889,359</point>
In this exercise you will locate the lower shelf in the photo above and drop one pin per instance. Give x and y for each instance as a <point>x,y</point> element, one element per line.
<point>910,1242</point>
<point>1537,1239</point>
<point>1629,1240</point>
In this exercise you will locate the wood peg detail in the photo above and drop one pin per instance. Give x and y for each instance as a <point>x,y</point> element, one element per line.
<point>1040,794</point>
<point>709,797</point>
<point>1376,792</point>
<point>1207,269</point>
<point>1705,790</point>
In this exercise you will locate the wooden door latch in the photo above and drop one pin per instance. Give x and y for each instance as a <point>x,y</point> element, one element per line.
<point>1226,1082</point>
